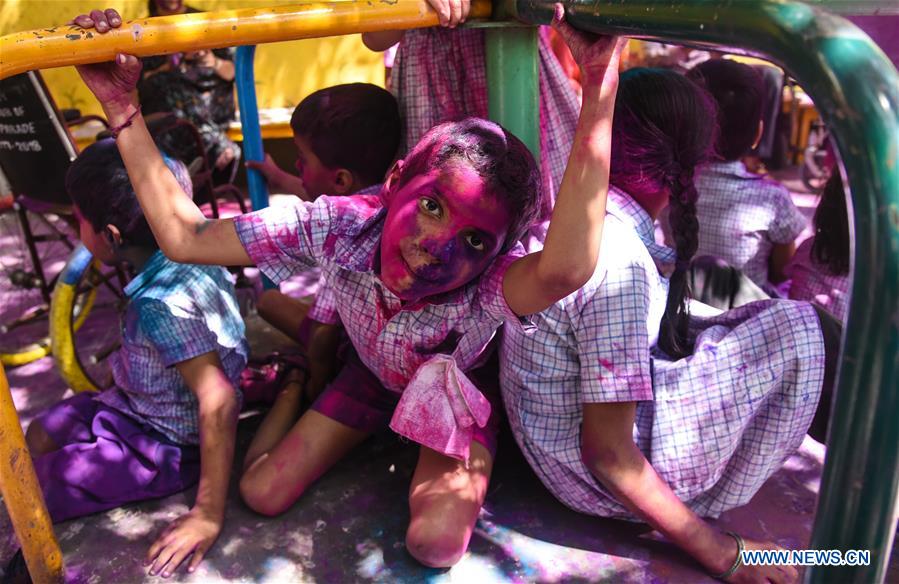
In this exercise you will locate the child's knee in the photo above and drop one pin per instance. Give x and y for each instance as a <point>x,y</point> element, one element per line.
<point>261,495</point>
<point>38,441</point>
<point>436,545</point>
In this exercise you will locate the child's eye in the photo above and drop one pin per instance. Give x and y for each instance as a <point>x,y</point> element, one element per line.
<point>429,206</point>
<point>475,241</point>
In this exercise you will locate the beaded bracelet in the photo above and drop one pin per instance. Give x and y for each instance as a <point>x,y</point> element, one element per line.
<point>741,545</point>
<point>127,123</point>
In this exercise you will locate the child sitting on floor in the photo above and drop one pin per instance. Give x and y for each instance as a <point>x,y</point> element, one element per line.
<point>170,420</point>
<point>746,219</point>
<point>422,273</point>
<point>820,268</point>
<point>623,404</point>
<point>346,136</point>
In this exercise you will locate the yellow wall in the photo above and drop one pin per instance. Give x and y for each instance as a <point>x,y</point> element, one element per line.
<point>285,72</point>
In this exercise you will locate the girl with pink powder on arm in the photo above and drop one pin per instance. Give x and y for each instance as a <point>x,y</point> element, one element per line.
<point>422,273</point>
<point>627,406</point>
<point>440,74</point>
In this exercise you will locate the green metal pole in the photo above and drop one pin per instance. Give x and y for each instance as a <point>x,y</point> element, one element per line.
<point>856,89</point>
<point>512,83</point>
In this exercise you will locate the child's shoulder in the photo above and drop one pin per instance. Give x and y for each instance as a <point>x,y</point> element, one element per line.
<point>348,214</point>
<point>180,286</point>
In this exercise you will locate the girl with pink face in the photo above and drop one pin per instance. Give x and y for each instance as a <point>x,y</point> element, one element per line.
<point>423,274</point>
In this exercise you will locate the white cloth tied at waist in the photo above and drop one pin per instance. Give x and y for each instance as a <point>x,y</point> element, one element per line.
<point>440,407</point>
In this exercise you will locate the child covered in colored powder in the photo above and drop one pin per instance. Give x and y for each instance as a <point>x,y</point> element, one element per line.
<point>746,219</point>
<point>820,269</point>
<point>346,137</point>
<point>171,418</point>
<point>439,74</point>
<point>624,405</point>
<point>422,273</point>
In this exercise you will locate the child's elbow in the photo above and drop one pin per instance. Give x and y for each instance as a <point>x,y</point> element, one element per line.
<point>559,283</point>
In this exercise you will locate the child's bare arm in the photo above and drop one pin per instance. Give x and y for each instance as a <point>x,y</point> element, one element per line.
<point>381,40</point>
<point>180,228</point>
<point>279,180</point>
<point>196,531</point>
<point>449,12</point>
<point>781,254</point>
<point>608,450</point>
<point>571,251</point>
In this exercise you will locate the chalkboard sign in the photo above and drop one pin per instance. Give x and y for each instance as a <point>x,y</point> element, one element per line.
<point>35,147</point>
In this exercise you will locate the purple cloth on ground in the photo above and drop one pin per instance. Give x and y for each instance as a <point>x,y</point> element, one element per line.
<point>109,459</point>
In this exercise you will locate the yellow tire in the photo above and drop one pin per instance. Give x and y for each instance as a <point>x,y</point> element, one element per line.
<point>73,298</point>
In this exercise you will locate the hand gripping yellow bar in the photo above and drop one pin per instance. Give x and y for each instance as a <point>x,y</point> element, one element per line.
<point>72,45</point>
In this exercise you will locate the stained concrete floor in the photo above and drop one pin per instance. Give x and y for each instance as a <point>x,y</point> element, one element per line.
<point>350,526</point>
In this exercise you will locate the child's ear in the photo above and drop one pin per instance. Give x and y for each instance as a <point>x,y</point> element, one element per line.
<point>344,182</point>
<point>393,177</point>
<point>113,236</point>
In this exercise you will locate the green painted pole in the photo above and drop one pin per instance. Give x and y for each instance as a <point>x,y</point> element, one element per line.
<point>856,90</point>
<point>512,83</point>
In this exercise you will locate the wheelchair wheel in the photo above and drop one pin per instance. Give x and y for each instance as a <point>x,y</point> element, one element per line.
<point>84,321</point>
<point>33,250</point>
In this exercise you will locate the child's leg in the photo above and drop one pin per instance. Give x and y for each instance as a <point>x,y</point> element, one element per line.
<point>66,422</point>
<point>445,497</point>
<point>349,410</point>
<point>276,479</point>
<point>123,461</point>
<point>283,312</point>
<point>444,500</point>
<point>283,414</point>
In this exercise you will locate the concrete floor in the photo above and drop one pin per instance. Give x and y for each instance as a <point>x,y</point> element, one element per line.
<point>350,526</point>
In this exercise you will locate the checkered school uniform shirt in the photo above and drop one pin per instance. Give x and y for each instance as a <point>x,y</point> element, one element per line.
<point>440,75</point>
<point>714,426</point>
<point>814,283</point>
<point>324,309</point>
<point>742,216</point>
<point>175,312</point>
<point>342,235</point>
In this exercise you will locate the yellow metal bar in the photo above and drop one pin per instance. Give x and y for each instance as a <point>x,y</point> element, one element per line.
<point>22,496</point>
<point>72,45</point>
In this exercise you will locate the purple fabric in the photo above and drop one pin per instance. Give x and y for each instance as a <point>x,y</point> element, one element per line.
<point>357,399</point>
<point>107,459</point>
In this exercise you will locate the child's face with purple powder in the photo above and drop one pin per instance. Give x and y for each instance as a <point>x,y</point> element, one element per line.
<point>442,229</point>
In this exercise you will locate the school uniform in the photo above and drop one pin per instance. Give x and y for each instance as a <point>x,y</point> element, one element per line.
<point>140,439</point>
<point>814,283</point>
<point>714,425</point>
<point>412,362</point>
<point>440,75</point>
<point>742,216</point>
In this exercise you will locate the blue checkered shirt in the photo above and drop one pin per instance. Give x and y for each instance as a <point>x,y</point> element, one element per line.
<point>175,312</point>
<point>342,235</point>
<point>714,425</point>
<point>742,216</point>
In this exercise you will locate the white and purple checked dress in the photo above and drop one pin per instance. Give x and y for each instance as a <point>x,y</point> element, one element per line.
<point>742,216</point>
<point>714,425</point>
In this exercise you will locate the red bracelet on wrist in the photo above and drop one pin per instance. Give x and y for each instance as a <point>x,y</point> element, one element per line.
<point>127,123</point>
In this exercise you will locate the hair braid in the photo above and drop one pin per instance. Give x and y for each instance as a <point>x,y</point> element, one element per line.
<point>674,330</point>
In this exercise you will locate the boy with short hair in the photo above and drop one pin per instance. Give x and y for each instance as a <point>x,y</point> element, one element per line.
<point>347,137</point>
<point>171,418</point>
<point>746,219</point>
